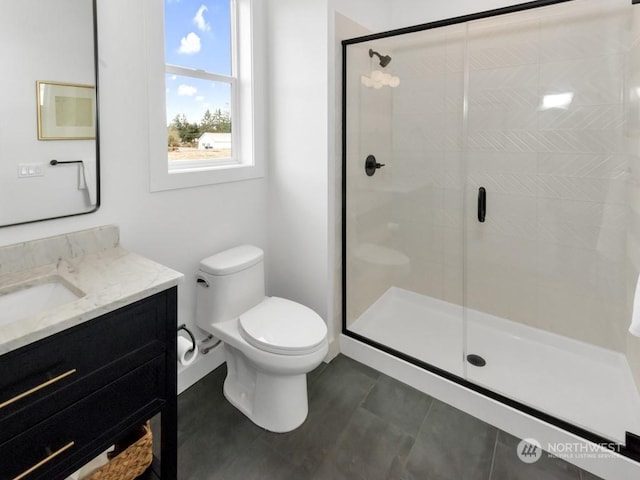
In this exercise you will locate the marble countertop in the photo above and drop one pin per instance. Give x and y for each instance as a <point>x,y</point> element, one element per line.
<point>110,278</point>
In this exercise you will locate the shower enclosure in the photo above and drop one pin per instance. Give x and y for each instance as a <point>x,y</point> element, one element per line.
<point>491,205</point>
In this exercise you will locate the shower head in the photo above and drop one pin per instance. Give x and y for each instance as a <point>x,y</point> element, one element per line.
<point>384,60</point>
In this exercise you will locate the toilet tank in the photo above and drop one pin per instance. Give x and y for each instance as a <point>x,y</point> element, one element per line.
<point>229,283</point>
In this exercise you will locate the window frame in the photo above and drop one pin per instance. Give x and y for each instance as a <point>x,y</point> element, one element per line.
<point>181,166</point>
<point>243,165</point>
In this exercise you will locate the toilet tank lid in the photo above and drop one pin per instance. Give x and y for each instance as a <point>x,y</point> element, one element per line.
<point>233,260</point>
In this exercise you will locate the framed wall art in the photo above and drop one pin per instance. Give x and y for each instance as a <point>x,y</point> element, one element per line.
<point>66,111</point>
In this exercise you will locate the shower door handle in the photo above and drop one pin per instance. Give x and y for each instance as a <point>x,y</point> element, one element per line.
<point>482,204</point>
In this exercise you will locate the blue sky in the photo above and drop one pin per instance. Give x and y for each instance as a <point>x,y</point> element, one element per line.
<point>197,35</point>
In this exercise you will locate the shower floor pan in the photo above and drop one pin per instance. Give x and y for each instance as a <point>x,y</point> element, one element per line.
<point>583,384</point>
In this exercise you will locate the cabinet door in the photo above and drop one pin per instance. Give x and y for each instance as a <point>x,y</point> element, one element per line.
<point>38,380</point>
<point>55,447</point>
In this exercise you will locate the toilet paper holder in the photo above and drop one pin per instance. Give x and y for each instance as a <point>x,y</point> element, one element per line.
<point>193,339</point>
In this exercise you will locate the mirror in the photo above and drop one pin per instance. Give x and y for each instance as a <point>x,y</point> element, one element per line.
<point>49,165</point>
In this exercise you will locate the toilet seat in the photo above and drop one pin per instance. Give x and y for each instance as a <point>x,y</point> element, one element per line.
<point>282,326</point>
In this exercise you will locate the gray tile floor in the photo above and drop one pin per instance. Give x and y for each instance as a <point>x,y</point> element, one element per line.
<point>361,425</point>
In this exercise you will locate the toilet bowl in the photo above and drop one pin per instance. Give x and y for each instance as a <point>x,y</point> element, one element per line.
<point>270,343</point>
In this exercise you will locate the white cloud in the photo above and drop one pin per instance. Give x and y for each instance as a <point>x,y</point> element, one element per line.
<point>173,77</point>
<point>199,20</point>
<point>199,98</point>
<point>190,44</point>
<point>187,90</point>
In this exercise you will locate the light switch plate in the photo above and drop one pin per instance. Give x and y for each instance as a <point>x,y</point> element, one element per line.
<point>30,170</point>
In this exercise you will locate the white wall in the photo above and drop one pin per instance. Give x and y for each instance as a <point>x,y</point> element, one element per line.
<point>298,181</point>
<point>179,227</point>
<point>303,155</point>
<point>405,13</point>
<point>372,15</point>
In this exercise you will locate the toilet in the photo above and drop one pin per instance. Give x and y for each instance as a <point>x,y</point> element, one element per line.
<point>270,343</point>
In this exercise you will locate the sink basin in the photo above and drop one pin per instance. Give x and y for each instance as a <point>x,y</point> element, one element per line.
<point>19,301</point>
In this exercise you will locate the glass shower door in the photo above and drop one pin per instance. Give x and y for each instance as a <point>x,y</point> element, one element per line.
<point>545,269</point>
<point>404,220</point>
<point>485,206</point>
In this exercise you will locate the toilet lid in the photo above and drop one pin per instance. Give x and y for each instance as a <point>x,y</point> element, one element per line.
<point>282,326</point>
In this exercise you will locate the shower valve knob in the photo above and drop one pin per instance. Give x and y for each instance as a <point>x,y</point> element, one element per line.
<point>371,165</point>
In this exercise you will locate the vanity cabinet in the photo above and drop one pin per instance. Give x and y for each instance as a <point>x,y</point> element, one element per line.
<point>68,397</point>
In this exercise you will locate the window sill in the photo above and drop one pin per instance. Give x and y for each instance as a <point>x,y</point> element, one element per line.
<point>200,176</point>
<point>182,166</point>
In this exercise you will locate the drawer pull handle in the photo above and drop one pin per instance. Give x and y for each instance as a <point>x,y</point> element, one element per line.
<point>35,389</point>
<point>46,460</point>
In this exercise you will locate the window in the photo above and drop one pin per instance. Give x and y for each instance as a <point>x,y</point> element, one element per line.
<point>208,95</point>
<point>200,82</point>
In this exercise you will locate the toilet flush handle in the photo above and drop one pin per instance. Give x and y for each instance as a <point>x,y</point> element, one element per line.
<point>202,282</point>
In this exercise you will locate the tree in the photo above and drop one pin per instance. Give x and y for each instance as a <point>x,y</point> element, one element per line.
<point>219,122</point>
<point>179,122</point>
<point>191,133</point>
<point>188,132</point>
<point>222,121</point>
<point>207,124</point>
<point>173,136</point>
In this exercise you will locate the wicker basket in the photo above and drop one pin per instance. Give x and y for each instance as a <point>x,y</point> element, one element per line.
<point>130,463</point>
